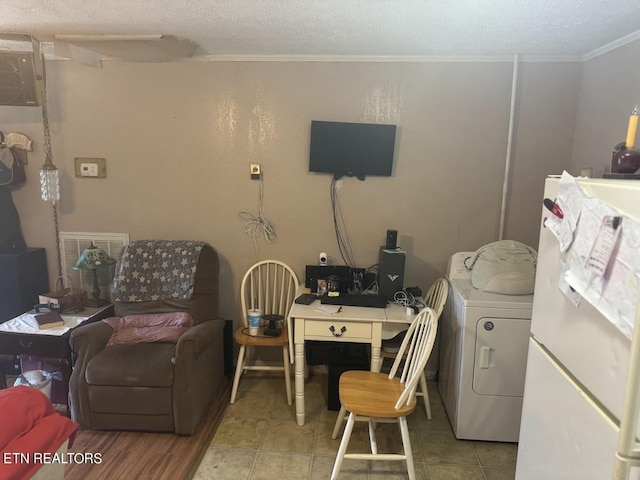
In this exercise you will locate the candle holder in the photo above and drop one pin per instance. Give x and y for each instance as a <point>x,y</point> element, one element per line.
<point>625,160</point>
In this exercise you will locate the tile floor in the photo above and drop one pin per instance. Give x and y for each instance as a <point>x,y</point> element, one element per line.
<point>258,439</point>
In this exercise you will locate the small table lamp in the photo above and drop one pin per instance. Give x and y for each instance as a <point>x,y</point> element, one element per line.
<point>92,259</point>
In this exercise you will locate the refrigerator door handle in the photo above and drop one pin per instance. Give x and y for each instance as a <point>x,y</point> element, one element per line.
<point>628,452</point>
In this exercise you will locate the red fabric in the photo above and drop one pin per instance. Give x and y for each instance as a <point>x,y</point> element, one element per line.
<point>29,425</point>
<point>149,327</point>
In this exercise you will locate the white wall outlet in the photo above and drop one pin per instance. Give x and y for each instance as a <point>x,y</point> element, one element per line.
<point>256,171</point>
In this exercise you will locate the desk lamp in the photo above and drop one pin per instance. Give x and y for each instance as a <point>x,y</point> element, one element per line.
<point>92,259</point>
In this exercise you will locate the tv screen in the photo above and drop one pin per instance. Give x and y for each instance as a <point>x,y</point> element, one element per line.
<point>353,149</point>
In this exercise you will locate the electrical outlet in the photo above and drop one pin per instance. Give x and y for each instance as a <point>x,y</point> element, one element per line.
<point>256,171</point>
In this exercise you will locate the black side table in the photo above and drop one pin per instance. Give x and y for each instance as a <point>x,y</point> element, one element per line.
<point>54,348</point>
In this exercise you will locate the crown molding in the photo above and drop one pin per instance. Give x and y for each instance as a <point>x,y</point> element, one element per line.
<point>386,58</point>
<point>611,46</point>
<point>50,54</point>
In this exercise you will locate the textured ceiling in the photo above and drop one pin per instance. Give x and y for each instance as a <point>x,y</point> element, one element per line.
<point>342,27</point>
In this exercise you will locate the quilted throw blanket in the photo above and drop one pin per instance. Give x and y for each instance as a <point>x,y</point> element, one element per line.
<point>150,270</point>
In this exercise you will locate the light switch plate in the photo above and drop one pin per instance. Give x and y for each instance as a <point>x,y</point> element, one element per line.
<point>90,167</point>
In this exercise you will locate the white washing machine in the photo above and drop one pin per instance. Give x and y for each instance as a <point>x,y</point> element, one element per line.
<point>483,357</point>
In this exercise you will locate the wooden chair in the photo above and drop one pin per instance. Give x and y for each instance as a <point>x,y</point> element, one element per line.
<point>376,397</point>
<point>435,298</point>
<point>270,286</point>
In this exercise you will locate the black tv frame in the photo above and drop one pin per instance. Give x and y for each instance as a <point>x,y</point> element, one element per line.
<point>366,148</point>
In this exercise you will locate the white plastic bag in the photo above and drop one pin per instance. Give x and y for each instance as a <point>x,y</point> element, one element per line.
<point>38,379</point>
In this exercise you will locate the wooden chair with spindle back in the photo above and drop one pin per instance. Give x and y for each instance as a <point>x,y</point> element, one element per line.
<point>269,286</point>
<point>436,299</point>
<point>377,397</point>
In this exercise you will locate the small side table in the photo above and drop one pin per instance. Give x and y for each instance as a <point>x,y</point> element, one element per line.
<point>47,346</point>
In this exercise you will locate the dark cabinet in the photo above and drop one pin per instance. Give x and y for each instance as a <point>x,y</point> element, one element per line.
<point>23,276</point>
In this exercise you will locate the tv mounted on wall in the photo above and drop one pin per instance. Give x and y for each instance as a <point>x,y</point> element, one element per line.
<point>19,84</point>
<point>352,149</point>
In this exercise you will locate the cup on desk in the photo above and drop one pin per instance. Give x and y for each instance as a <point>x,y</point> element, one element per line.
<point>254,321</point>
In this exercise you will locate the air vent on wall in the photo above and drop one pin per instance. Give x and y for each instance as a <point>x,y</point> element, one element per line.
<point>19,84</point>
<point>72,244</point>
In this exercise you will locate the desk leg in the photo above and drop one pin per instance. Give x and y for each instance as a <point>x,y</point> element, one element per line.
<point>376,347</point>
<point>299,381</point>
<point>65,370</point>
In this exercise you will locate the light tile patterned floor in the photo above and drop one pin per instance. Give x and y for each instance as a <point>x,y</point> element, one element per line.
<point>258,439</point>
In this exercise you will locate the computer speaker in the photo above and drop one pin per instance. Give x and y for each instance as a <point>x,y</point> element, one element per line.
<point>390,272</point>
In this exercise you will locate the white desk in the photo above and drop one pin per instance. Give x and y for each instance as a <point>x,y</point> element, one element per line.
<point>351,324</point>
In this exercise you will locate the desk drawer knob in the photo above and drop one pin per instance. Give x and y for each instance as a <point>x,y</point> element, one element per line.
<point>332,329</point>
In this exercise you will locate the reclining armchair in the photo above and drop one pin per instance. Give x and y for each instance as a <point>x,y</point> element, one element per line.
<point>153,386</point>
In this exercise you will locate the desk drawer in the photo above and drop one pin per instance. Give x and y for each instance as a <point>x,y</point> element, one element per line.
<point>346,331</point>
<point>41,345</point>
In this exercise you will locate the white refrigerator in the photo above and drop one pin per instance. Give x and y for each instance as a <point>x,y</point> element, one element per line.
<point>578,359</point>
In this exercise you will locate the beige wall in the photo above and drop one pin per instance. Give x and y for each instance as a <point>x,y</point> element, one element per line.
<point>543,141</point>
<point>610,87</point>
<point>179,138</point>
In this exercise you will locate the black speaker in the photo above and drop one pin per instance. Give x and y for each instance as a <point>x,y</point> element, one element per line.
<point>23,276</point>
<point>390,272</point>
<point>392,239</point>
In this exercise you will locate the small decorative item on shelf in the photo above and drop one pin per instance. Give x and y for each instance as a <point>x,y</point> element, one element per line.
<point>92,259</point>
<point>63,299</point>
<point>625,158</point>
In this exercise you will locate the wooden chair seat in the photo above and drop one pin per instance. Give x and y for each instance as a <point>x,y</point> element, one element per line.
<point>242,337</point>
<point>371,394</point>
<point>390,355</point>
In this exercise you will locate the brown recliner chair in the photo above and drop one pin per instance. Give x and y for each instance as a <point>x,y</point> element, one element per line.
<point>162,386</point>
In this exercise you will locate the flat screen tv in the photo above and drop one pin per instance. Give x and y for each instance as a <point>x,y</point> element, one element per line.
<point>352,149</point>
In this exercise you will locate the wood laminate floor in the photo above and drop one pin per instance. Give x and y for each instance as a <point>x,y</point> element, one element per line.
<point>141,456</point>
